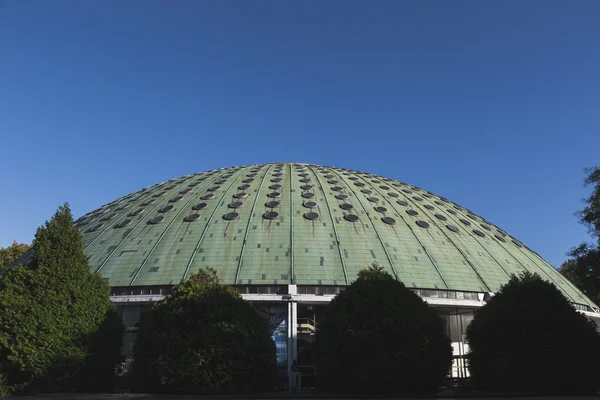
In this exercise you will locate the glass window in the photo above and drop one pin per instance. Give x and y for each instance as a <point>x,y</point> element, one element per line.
<point>278,328</point>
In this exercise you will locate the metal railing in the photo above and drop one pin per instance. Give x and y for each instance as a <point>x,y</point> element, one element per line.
<point>307,325</point>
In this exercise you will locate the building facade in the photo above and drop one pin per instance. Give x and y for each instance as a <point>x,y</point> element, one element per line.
<point>290,236</point>
<point>294,316</point>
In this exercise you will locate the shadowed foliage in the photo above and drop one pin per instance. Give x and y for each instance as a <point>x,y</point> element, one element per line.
<point>203,339</point>
<point>528,338</point>
<point>57,323</point>
<point>12,252</point>
<point>590,215</point>
<point>380,337</point>
<point>583,268</point>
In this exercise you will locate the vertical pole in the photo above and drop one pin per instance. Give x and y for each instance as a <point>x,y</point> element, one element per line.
<point>289,345</point>
<point>292,350</point>
<point>459,332</point>
<point>462,343</point>
<point>294,330</point>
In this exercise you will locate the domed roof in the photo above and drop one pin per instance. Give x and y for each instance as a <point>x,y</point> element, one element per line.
<point>292,223</point>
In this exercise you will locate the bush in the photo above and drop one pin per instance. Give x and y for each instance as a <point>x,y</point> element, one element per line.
<point>203,339</point>
<point>528,338</point>
<point>96,373</point>
<point>51,314</point>
<point>380,337</point>
<point>4,389</point>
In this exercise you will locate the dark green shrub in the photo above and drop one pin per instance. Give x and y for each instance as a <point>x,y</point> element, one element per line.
<point>380,337</point>
<point>203,339</point>
<point>96,373</point>
<point>4,389</point>
<point>528,338</point>
<point>52,311</point>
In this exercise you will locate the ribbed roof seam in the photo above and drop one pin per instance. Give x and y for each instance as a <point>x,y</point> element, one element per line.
<point>163,234</point>
<point>208,223</point>
<point>239,266</point>
<point>337,237</point>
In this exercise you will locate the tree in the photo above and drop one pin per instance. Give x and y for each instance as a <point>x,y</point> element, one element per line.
<point>374,272</point>
<point>12,252</point>
<point>54,314</point>
<point>590,215</point>
<point>203,339</point>
<point>380,337</point>
<point>528,338</point>
<point>96,373</point>
<point>583,268</point>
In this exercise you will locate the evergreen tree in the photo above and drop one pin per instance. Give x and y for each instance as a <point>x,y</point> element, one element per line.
<point>583,268</point>
<point>529,339</point>
<point>203,339</point>
<point>52,311</point>
<point>380,337</point>
<point>590,215</point>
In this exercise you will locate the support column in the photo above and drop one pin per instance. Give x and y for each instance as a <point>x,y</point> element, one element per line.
<point>292,342</point>
<point>294,331</point>
<point>459,361</point>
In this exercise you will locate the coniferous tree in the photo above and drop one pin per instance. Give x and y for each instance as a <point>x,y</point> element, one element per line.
<point>380,337</point>
<point>203,339</point>
<point>529,339</point>
<point>583,268</point>
<point>53,312</point>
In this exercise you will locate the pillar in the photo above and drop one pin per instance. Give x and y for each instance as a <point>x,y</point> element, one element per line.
<point>292,346</point>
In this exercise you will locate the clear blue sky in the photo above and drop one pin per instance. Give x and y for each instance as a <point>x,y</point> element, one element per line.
<point>492,104</point>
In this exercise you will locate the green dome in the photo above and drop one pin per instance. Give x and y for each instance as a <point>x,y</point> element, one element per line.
<point>293,223</point>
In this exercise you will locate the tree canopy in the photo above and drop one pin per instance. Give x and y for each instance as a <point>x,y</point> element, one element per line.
<point>10,253</point>
<point>528,338</point>
<point>203,339</point>
<point>583,267</point>
<point>380,337</point>
<point>590,215</point>
<point>57,322</point>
